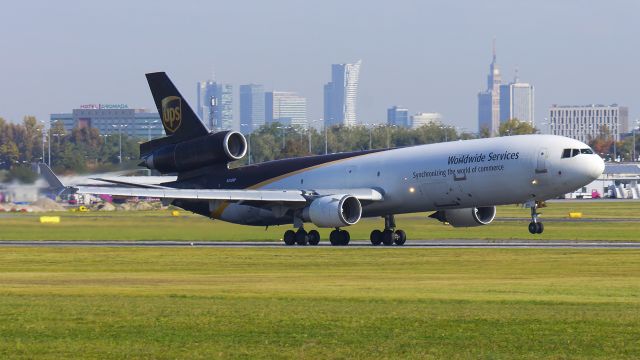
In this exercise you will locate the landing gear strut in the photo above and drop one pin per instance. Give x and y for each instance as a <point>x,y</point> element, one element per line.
<point>389,235</point>
<point>535,226</point>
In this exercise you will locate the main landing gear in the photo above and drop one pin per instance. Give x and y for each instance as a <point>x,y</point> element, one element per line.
<point>301,237</point>
<point>389,235</point>
<point>535,226</point>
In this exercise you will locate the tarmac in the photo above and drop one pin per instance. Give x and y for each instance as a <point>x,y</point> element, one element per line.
<point>410,244</point>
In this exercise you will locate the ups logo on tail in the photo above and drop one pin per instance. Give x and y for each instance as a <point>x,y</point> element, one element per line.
<point>172,113</point>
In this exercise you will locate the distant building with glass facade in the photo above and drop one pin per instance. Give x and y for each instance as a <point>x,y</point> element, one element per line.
<point>398,117</point>
<point>111,119</point>
<point>586,122</point>
<point>340,95</point>
<point>252,107</point>
<point>215,105</point>
<point>421,119</point>
<point>287,108</point>
<point>517,102</point>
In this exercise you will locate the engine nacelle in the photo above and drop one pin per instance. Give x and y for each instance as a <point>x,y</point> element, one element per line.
<point>220,147</point>
<point>333,211</point>
<point>466,217</point>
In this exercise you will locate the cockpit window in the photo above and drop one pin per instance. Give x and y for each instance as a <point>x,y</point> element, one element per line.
<point>568,153</point>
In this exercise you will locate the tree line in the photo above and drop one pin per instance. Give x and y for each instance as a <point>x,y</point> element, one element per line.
<point>77,151</point>
<point>86,150</point>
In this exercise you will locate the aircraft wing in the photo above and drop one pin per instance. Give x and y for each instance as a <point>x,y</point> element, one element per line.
<point>269,195</point>
<point>197,194</point>
<point>257,195</point>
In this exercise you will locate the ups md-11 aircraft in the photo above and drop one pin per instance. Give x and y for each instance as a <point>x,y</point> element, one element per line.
<point>461,181</point>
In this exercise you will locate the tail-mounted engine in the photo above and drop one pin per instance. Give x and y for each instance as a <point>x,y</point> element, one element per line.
<point>211,149</point>
<point>466,217</point>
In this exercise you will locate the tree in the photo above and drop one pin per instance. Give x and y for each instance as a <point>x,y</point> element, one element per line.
<point>516,127</point>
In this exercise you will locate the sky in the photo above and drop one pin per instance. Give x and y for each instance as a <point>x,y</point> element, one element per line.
<point>428,56</point>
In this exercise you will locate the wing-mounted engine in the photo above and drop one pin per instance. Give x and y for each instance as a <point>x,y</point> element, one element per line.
<point>333,211</point>
<point>214,148</point>
<point>466,217</point>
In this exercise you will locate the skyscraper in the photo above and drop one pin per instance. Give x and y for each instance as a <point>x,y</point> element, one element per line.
<point>516,102</point>
<point>340,94</point>
<point>252,110</point>
<point>215,105</point>
<point>489,100</point>
<point>398,117</point>
<point>287,108</point>
<point>206,92</point>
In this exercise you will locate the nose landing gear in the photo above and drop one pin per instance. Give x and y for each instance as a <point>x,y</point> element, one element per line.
<point>535,226</point>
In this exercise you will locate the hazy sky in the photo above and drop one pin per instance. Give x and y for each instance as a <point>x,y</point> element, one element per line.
<point>430,56</point>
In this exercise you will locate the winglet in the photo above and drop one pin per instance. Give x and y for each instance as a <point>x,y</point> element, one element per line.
<point>50,177</point>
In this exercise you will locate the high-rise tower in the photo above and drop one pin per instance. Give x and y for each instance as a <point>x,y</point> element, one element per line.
<point>251,107</point>
<point>340,94</point>
<point>489,100</point>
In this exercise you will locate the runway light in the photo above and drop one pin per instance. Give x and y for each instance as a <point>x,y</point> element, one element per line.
<point>412,190</point>
<point>534,182</point>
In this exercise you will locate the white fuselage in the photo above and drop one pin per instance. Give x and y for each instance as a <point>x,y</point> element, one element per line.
<point>459,174</point>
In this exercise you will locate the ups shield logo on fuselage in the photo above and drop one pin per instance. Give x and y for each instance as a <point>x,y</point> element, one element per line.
<point>172,113</point>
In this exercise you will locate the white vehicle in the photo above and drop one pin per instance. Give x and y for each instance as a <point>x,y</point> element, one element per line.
<point>462,181</point>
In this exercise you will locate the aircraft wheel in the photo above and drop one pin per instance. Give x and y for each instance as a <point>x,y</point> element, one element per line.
<point>301,237</point>
<point>334,237</point>
<point>533,227</point>
<point>387,237</point>
<point>289,237</point>
<point>314,237</point>
<point>344,237</point>
<point>400,237</point>
<point>540,228</point>
<point>376,237</point>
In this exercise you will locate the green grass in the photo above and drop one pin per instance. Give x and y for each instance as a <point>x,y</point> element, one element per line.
<point>319,303</point>
<point>160,225</point>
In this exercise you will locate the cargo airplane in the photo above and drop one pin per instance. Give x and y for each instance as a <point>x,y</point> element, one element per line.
<point>460,181</point>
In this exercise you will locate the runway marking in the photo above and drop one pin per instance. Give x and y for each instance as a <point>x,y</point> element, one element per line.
<point>451,244</point>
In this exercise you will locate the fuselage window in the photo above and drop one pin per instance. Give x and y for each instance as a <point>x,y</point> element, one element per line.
<point>566,153</point>
<point>575,152</point>
<point>586,151</point>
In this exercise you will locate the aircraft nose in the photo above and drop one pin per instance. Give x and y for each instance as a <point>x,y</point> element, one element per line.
<point>595,166</point>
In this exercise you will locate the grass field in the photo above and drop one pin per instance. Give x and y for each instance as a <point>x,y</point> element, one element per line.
<point>160,225</point>
<point>319,303</point>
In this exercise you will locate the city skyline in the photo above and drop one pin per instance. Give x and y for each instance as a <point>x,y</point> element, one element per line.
<point>440,70</point>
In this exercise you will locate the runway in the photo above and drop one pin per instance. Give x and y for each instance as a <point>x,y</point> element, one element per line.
<point>411,244</point>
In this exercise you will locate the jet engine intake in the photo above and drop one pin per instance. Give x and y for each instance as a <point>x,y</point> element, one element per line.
<point>333,211</point>
<point>466,217</point>
<point>216,148</point>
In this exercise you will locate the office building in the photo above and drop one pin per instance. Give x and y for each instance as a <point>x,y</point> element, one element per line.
<point>340,95</point>
<point>286,108</point>
<point>398,117</point>
<point>252,110</point>
<point>110,119</point>
<point>489,100</point>
<point>215,105</point>
<point>517,102</point>
<point>421,119</point>
<point>587,122</point>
